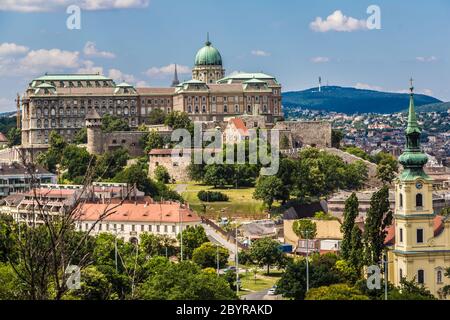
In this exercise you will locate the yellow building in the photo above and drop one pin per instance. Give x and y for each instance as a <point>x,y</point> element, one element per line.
<point>420,246</point>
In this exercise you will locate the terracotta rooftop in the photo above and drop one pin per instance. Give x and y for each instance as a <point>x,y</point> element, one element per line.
<point>240,125</point>
<point>168,212</point>
<point>3,137</point>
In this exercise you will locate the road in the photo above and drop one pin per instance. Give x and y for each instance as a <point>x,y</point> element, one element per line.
<point>217,238</point>
<point>261,295</point>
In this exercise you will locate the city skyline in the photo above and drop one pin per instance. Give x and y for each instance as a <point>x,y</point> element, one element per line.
<point>297,42</point>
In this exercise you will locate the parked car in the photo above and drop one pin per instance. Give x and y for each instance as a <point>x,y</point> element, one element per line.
<point>271,291</point>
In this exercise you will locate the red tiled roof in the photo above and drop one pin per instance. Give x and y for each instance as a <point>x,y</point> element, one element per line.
<point>240,125</point>
<point>168,212</point>
<point>3,137</point>
<point>46,192</point>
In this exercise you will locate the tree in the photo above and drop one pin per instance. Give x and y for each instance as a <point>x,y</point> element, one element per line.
<point>321,273</point>
<point>387,168</point>
<point>410,290</point>
<point>8,238</point>
<point>379,217</point>
<point>351,212</point>
<point>357,249</point>
<point>217,175</point>
<point>336,138</point>
<point>112,123</point>
<point>11,286</point>
<point>94,286</point>
<point>335,292</point>
<point>266,252</point>
<point>52,157</point>
<point>110,163</point>
<point>178,120</point>
<point>76,161</point>
<point>207,254</point>
<point>156,116</point>
<point>80,136</point>
<point>193,237</point>
<point>157,245</point>
<point>305,228</point>
<point>356,174</point>
<point>14,137</point>
<point>152,140</point>
<point>185,281</point>
<point>268,189</point>
<point>357,152</point>
<point>161,174</point>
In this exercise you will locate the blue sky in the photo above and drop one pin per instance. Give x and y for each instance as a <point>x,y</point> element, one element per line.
<point>138,40</point>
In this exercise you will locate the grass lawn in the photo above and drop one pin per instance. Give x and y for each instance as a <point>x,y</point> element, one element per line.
<point>241,203</point>
<point>262,282</point>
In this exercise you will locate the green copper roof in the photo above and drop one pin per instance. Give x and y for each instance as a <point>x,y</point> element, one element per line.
<point>124,85</point>
<point>208,56</point>
<point>45,85</point>
<point>255,81</point>
<point>245,76</point>
<point>413,159</point>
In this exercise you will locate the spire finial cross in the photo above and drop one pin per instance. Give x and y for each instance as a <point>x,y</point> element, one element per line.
<point>411,81</point>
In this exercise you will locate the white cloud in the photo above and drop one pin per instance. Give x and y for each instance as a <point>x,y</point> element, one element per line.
<point>91,50</point>
<point>51,5</point>
<point>50,60</point>
<point>119,76</point>
<point>260,53</point>
<point>426,59</point>
<point>365,86</point>
<point>337,21</point>
<point>90,67</point>
<point>12,49</point>
<point>320,59</point>
<point>167,70</point>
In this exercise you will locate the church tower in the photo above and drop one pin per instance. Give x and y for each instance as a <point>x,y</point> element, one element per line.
<point>422,249</point>
<point>175,80</point>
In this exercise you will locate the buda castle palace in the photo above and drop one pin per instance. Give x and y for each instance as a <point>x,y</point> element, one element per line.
<point>60,102</point>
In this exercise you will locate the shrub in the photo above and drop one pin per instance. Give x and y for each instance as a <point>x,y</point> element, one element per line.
<point>212,196</point>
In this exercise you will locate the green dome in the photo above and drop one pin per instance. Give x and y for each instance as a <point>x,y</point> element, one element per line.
<point>208,56</point>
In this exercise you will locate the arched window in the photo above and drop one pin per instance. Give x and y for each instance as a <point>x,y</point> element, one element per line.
<point>420,276</point>
<point>439,277</point>
<point>249,108</point>
<point>401,200</point>
<point>225,108</point>
<point>204,109</point>
<point>401,274</point>
<point>38,123</point>
<point>196,109</point>
<point>419,200</point>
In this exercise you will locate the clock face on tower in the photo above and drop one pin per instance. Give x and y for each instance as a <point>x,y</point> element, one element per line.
<point>419,185</point>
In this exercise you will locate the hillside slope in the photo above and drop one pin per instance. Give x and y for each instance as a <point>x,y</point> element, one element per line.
<point>351,100</point>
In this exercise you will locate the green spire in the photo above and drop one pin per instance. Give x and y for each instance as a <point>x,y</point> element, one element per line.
<point>413,125</point>
<point>413,159</point>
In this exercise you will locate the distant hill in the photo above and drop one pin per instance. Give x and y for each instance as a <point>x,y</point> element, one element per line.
<point>434,107</point>
<point>351,100</point>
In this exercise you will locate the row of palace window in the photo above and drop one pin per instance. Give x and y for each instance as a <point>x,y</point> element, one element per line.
<point>68,123</point>
<point>421,276</point>
<point>157,101</point>
<point>213,99</point>
<point>74,111</point>
<point>419,200</point>
<point>226,110</point>
<point>134,228</point>
<point>88,102</point>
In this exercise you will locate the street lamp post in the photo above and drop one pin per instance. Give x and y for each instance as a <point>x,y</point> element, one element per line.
<point>237,263</point>
<point>217,258</point>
